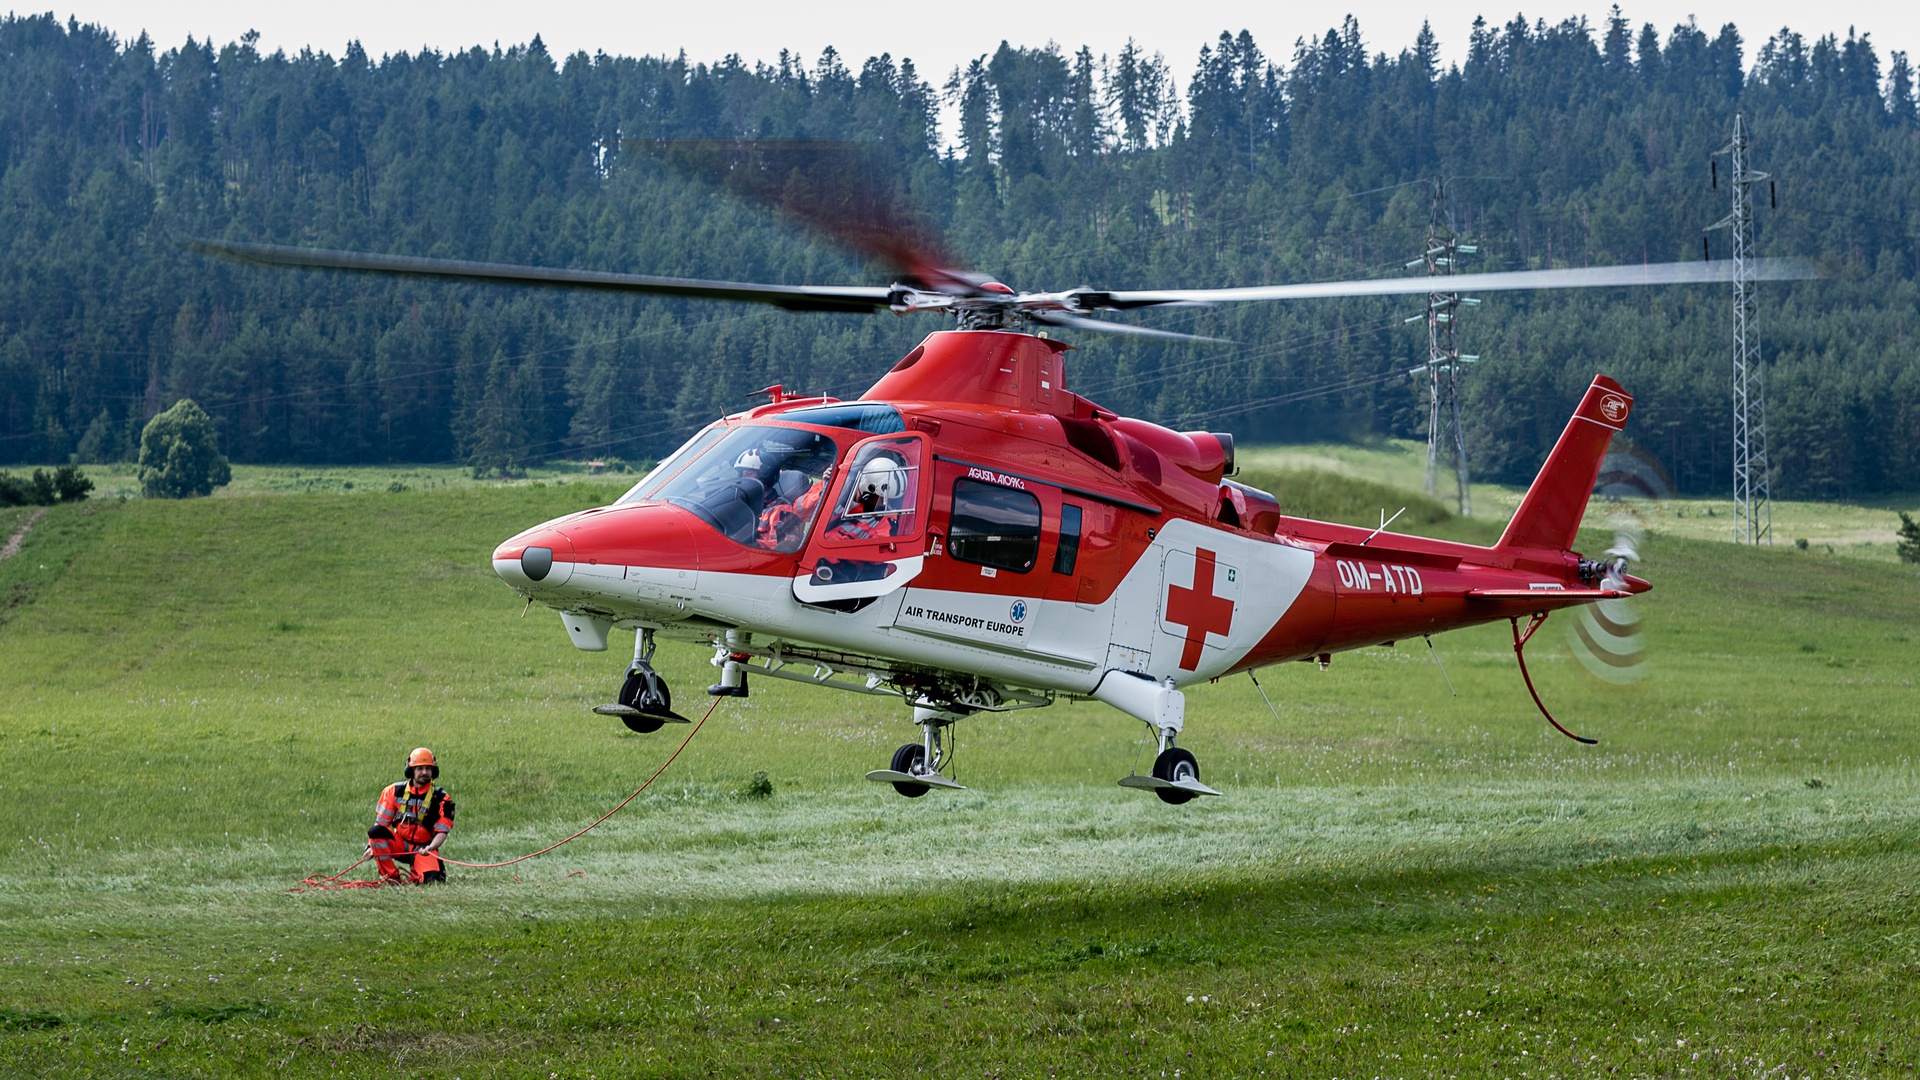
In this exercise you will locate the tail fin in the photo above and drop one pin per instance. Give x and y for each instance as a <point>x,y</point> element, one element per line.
<point>1550,514</point>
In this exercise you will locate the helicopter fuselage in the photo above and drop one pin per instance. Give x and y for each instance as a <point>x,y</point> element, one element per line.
<point>1033,543</point>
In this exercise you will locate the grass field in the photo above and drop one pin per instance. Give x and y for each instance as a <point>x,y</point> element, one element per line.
<point>199,702</point>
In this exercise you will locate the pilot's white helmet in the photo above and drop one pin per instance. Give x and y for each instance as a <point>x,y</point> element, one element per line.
<point>749,460</point>
<point>883,477</point>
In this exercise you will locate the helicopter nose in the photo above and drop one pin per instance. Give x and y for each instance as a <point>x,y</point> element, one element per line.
<point>536,560</point>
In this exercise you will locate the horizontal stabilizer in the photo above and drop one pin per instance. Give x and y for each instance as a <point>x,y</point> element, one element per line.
<point>1557,594</point>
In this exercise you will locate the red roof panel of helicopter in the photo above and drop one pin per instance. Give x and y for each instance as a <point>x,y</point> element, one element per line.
<point>982,367</point>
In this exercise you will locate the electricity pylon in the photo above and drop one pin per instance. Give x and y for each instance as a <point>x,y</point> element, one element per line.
<point>1752,507</point>
<point>1443,366</point>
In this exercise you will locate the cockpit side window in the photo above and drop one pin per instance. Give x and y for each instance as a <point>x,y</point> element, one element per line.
<point>758,485</point>
<point>881,494</point>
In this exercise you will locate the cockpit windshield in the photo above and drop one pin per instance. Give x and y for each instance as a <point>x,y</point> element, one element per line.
<point>669,467</point>
<point>759,486</point>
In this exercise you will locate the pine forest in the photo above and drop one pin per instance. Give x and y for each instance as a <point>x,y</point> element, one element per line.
<point>1249,163</point>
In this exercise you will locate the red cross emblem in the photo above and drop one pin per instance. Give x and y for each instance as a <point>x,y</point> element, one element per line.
<point>1198,610</point>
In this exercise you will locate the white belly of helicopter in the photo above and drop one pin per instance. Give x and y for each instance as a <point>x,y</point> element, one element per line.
<point>1192,605</point>
<point>896,627</point>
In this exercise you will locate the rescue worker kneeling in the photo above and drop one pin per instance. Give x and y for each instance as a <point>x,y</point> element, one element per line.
<point>412,821</point>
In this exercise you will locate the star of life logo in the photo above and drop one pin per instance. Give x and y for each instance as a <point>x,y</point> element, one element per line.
<point>1018,612</point>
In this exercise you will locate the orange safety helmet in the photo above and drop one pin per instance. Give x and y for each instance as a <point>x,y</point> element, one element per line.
<point>422,756</point>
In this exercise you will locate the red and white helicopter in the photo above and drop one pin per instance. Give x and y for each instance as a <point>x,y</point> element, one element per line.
<point>970,535</point>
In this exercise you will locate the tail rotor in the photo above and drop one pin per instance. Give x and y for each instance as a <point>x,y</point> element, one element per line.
<point>1606,637</point>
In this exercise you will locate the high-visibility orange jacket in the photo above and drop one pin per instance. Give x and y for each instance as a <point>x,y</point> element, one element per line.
<point>782,523</point>
<point>865,528</point>
<point>414,814</point>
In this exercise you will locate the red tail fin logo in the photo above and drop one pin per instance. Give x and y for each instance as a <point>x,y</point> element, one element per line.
<point>1614,408</point>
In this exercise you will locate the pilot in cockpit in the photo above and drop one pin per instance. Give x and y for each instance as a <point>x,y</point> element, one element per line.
<point>752,465</point>
<point>794,487</point>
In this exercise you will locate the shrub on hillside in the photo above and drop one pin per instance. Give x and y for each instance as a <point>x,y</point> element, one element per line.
<point>180,454</point>
<point>64,484</point>
<point>1909,546</point>
<point>70,483</point>
<point>22,491</point>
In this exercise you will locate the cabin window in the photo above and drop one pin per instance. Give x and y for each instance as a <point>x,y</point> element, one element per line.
<point>1068,553</point>
<point>994,526</point>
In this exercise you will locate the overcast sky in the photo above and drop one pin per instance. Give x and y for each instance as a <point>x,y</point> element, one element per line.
<point>936,37</point>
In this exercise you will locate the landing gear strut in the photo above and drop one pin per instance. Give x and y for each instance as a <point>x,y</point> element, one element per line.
<point>916,766</point>
<point>644,703</point>
<point>732,665</point>
<point>1176,774</point>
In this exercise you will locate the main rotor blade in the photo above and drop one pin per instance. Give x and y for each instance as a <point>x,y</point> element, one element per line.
<point>1080,322</point>
<point>1586,277</point>
<point>848,192</point>
<point>854,298</point>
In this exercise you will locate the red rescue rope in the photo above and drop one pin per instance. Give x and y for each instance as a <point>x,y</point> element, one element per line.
<point>322,881</point>
<point>1520,650</point>
<point>334,881</point>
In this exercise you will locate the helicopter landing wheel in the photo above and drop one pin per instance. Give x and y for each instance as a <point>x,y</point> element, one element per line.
<point>1175,763</point>
<point>911,758</point>
<point>644,703</point>
<point>647,691</point>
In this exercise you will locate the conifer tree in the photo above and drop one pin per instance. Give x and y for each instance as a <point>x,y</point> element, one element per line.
<point>1909,545</point>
